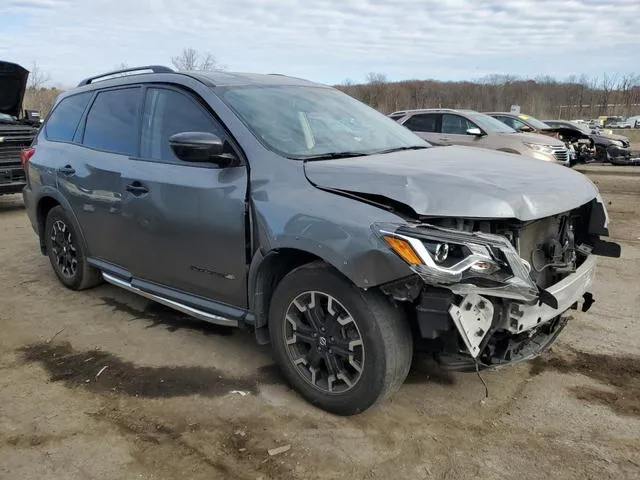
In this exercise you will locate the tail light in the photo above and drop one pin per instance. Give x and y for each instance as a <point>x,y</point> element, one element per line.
<point>25,156</point>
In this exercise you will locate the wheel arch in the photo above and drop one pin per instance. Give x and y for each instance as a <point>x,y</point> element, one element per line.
<point>362,262</point>
<point>265,272</point>
<point>48,199</point>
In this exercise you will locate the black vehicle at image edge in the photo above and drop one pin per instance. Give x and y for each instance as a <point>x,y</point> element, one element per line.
<point>17,131</point>
<point>337,235</point>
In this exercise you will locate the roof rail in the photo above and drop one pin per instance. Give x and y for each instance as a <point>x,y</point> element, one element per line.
<point>145,69</point>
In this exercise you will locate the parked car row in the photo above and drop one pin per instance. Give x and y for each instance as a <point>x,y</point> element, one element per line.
<point>559,141</point>
<point>610,122</point>
<point>474,129</point>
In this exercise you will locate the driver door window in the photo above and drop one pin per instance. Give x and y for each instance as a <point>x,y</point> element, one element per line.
<point>454,130</point>
<point>167,112</point>
<point>455,124</point>
<point>512,122</point>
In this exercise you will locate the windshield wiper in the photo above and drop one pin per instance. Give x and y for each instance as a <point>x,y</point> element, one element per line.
<point>399,149</point>
<point>334,155</point>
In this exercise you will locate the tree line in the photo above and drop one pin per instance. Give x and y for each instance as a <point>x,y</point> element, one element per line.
<point>542,97</point>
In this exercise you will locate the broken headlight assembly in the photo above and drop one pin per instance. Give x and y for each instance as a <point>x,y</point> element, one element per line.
<point>463,262</point>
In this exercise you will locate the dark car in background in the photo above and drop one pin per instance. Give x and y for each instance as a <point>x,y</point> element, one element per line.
<point>17,130</point>
<point>580,145</point>
<point>615,149</point>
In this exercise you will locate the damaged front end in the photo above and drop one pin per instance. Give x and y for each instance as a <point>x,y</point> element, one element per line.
<point>488,293</point>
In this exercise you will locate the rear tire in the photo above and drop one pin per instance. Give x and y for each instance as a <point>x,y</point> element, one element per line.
<point>340,347</point>
<point>66,252</point>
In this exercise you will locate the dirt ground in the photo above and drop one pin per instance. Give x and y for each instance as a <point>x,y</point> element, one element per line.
<point>104,385</point>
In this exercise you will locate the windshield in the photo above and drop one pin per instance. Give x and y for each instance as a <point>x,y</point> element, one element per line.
<point>305,122</point>
<point>489,124</point>
<point>534,122</point>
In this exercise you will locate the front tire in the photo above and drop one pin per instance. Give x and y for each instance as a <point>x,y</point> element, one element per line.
<point>601,154</point>
<point>341,347</point>
<point>66,252</point>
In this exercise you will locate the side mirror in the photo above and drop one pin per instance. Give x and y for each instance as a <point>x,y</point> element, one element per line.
<point>526,128</point>
<point>200,147</point>
<point>476,132</point>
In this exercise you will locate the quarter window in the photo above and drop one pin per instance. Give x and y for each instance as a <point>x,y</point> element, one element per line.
<point>112,122</point>
<point>167,112</point>
<point>64,119</point>
<point>421,123</point>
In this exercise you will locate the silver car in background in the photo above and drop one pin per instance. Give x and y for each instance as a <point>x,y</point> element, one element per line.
<point>475,129</point>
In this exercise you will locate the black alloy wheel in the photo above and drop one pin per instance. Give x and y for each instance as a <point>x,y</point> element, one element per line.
<point>66,252</point>
<point>63,250</point>
<point>341,347</point>
<point>324,342</point>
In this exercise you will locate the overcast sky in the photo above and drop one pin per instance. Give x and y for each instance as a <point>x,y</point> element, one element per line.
<point>328,40</point>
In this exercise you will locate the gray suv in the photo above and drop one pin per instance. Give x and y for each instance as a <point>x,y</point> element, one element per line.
<point>474,129</point>
<point>290,209</point>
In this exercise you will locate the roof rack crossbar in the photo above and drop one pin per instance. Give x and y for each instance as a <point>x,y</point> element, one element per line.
<point>152,68</point>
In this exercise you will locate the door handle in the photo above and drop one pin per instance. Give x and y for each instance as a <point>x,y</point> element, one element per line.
<point>67,170</point>
<point>137,188</point>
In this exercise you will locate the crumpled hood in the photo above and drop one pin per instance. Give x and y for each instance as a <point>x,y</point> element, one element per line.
<point>612,136</point>
<point>459,182</point>
<point>13,82</point>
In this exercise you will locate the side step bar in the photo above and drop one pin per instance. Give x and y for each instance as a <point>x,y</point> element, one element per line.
<point>193,312</point>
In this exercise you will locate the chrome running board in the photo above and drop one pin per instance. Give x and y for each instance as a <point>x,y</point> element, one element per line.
<point>193,312</point>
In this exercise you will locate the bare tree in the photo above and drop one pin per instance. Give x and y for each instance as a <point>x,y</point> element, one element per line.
<point>37,78</point>
<point>543,97</point>
<point>191,59</point>
<point>607,85</point>
<point>374,78</point>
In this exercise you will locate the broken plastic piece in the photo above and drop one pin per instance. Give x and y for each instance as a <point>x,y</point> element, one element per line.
<point>588,301</point>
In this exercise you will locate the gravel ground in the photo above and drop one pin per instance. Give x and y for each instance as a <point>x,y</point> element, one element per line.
<point>102,384</point>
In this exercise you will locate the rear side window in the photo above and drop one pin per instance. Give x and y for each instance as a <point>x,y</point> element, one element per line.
<point>422,123</point>
<point>396,116</point>
<point>167,112</point>
<point>112,121</point>
<point>62,123</point>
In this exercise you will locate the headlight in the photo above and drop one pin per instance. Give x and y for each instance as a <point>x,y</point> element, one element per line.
<point>617,143</point>
<point>539,148</point>
<point>463,262</point>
